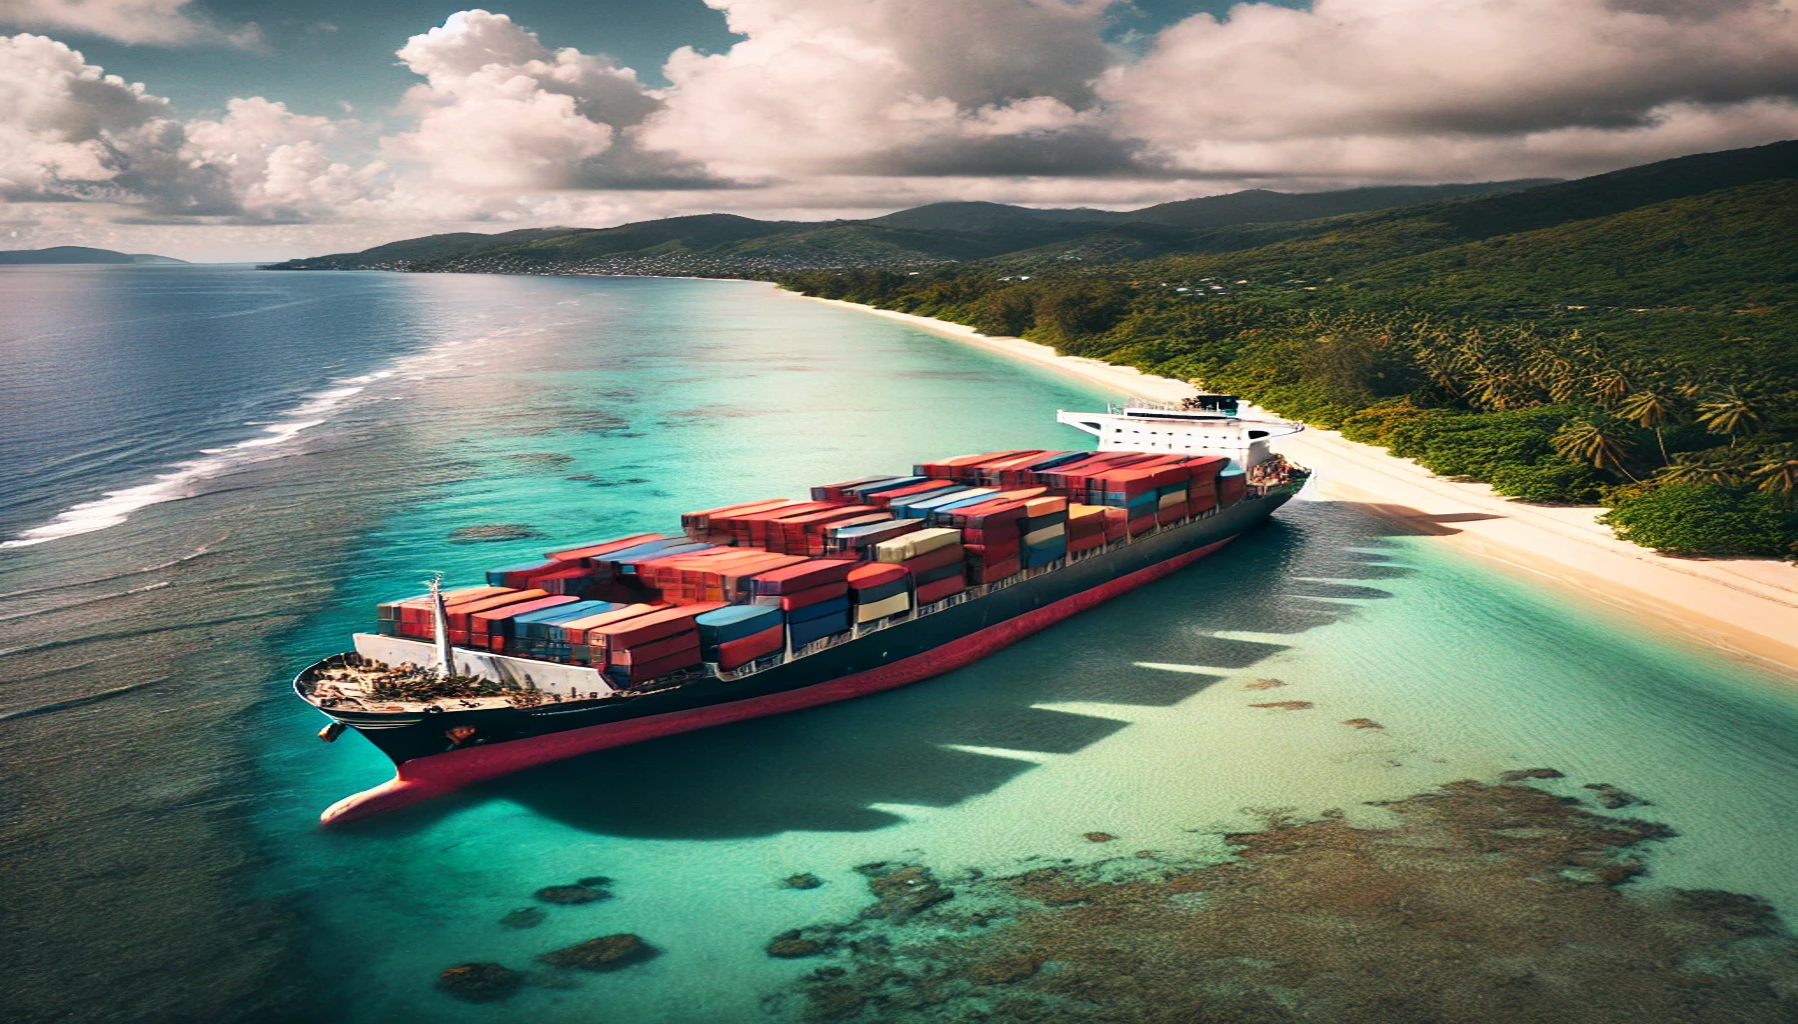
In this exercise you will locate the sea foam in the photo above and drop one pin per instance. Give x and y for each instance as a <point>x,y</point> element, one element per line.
<point>182,479</point>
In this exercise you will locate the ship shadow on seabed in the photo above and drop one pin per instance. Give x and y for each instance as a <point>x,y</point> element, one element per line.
<point>825,769</point>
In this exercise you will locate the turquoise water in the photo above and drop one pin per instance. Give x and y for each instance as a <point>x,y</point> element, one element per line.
<point>584,408</point>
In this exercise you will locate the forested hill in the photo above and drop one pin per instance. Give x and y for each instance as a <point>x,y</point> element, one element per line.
<point>1630,338</point>
<point>724,244</point>
<point>77,254</point>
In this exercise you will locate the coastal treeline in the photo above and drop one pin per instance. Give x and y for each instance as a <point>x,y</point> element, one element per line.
<point>1683,421</point>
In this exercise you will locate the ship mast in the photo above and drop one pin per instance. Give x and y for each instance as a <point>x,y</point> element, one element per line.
<point>446,662</point>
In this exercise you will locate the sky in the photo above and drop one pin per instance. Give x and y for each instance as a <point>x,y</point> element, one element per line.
<point>250,129</point>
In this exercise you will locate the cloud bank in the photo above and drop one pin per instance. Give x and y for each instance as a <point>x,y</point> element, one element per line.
<point>829,105</point>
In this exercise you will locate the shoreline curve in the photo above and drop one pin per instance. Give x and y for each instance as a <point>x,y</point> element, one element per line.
<point>1746,608</point>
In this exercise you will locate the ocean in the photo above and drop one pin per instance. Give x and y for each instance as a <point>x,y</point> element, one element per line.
<point>208,475</point>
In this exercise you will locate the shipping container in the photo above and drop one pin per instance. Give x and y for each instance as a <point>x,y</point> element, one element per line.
<point>812,572</point>
<point>912,545</point>
<point>930,593</point>
<point>872,611</point>
<point>880,592</point>
<point>587,551</point>
<point>874,574</point>
<point>950,554</point>
<point>626,676</point>
<point>734,622</point>
<point>653,625</point>
<point>686,642</point>
<point>802,633</point>
<point>742,651</point>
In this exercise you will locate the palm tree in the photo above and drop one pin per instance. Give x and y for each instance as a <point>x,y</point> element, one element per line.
<point>1778,474</point>
<point>1608,386</point>
<point>1598,442</point>
<point>1712,466</point>
<point>1652,409</point>
<point>1728,412</point>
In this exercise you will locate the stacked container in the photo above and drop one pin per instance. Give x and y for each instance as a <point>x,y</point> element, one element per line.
<point>933,558</point>
<point>878,590</point>
<point>814,594</point>
<point>750,580</point>
<point>735,635</point>
<point>1044,530</point>
<point>646,646</point>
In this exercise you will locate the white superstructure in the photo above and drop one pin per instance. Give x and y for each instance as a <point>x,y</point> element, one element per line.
<point>1208,425</point>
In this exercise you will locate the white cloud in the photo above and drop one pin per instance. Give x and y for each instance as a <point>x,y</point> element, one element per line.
<point>892,87</point>
<point>1427,87</point>
<point>127,21</point>
<point>70,131</point>
<point>499,110</point>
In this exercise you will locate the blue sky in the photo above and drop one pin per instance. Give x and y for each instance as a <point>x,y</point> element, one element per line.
<point>254,129</point>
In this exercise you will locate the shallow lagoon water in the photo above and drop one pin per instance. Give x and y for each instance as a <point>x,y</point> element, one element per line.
<point>582,408</point>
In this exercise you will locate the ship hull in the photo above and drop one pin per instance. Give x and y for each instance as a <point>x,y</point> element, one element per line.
<point>429,765</point>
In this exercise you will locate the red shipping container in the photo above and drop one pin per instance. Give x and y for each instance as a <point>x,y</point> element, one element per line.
<point>808,597</point>
<point>874,574</point>
<point>634,674</point>
<point>418,609</point>
<point>886,498</point>
<point>991,552</point>
<point>752,529</point>
<point>1115,523</point>
<point>949,467</point>
<point>947,555</point>
<point>655,625</point>
<point>576,632</point>
<point>840,492</point>
<point>744,650</point>
<point>1171,513</point>
<point>930,593</point>
<point>655,649</point>
<point>459,613</point>
<point>739,579</point>
<point>1086,543</point>
<point>1230,489</point>
<point>488,621</point>
<point>1141,525</point>
<point>992,571</point>
<point>589,550</point>
<point>813,572</point>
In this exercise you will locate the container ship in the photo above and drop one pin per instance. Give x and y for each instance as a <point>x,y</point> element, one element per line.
<point>780,604</point>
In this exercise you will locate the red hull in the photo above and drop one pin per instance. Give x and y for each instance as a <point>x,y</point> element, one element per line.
<point>443,773</point>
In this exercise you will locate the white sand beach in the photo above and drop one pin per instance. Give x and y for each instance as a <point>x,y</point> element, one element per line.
<point>1745,607</point>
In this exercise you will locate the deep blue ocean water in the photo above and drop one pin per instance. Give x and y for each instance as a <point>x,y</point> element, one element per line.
<point>211,474</point>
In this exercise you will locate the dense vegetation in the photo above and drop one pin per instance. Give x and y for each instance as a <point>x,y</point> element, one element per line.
<point>1625,346</point>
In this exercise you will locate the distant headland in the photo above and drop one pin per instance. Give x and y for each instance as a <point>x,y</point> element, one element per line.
<point>78,254</point>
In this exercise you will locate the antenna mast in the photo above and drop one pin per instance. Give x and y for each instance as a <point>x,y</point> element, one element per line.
<point>446,659</point>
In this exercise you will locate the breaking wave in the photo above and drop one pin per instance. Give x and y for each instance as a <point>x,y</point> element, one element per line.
<point>182,479</point>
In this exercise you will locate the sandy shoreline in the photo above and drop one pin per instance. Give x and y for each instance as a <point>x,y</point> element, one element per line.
<point>1747,608</point>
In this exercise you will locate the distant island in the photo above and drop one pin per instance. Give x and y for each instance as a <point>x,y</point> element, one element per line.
<point>725,245</point>
<point>78,254</point>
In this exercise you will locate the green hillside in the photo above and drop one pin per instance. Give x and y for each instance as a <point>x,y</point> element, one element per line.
<point>724,244</point>
<point>1633,340</point>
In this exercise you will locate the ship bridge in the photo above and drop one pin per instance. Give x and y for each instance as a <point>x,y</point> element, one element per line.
<point>1207,425</point>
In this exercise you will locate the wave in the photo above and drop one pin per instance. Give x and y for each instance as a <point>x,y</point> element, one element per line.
<point>85,601</point>
<point>75,702</point>
<point>182,479</point>
<point>190,556</point>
